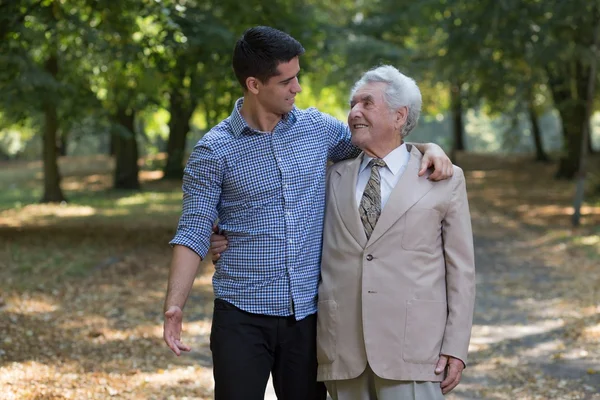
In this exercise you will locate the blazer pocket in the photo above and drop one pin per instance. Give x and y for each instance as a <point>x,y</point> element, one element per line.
<point>422,228</point>
<point>424,331</point>
<point>326,331</point>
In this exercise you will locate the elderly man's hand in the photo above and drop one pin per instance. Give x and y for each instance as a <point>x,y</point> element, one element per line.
<point>435,156</point>
<point>454,368</point>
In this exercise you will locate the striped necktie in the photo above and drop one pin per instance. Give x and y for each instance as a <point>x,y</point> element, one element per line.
<point>370,204</point>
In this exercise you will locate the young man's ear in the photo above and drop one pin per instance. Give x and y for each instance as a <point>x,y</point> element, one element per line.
<point>253,84</point>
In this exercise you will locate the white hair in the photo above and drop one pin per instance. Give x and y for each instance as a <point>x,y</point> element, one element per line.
<point>401,91</point>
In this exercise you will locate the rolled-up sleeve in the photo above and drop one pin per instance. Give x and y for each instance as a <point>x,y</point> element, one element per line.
<point>202,181</point>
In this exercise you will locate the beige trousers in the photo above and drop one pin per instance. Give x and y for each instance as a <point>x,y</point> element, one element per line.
<point>369,386</point>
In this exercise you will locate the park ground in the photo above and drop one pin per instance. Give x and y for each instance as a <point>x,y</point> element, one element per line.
<point>82,285</point>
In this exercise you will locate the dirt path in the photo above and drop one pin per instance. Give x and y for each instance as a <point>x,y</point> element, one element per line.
<point>536,331</point>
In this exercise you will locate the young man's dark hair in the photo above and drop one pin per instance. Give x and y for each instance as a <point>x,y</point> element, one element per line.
<point>260,50</point>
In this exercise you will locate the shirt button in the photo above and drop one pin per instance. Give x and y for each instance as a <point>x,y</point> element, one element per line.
<point>279,159</point>
<point>290,241</point>
<point>285,185</point>
<point>369,257</point>
<point>288,213</point>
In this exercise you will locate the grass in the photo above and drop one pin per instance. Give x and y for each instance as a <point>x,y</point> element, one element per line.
<point>43,244</point>
<point>98,223</point>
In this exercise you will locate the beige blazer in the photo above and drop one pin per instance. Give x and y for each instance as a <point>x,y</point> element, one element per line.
<point>404,297</point>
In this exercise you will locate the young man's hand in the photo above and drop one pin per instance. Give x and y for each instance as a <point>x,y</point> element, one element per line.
<point>172,330</point>
<point>436,157</point>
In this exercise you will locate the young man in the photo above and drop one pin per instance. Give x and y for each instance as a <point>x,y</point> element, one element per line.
<point>261,172</point>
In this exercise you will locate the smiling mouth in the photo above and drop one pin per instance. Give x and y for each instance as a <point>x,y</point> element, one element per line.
<point>358,126</point>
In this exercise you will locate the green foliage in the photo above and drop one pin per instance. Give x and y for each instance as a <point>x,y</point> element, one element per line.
<point>140,54</point>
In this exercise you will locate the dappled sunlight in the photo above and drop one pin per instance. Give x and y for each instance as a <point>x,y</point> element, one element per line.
<point>201,327</point>
<point>150,175</point>
<point>591,333</point>
<point>93,182</point>
<point>71,380</point>
<point>136,199</point>
<point>27,304</point>
<point>147,198</point>
<point>49,214</point>
<point>115,212</point>
<point>205,278</point>
<point>545,211</point>
<point>41,379</point>
<point>477,175</point>
<point>593,240</point>
<point>38,214</point>
<point>490,334</point>
<point>86,319</point>
<point>164,208</point>
<point>194,381</point>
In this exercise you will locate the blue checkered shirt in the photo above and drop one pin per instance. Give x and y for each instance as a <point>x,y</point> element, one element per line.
<point>268,192</point>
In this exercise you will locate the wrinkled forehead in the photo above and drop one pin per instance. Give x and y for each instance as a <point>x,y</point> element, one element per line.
<point>369,91</point>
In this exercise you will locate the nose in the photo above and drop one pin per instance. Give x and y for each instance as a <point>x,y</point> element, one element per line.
<point>296,88</point>
<point>354,111</point>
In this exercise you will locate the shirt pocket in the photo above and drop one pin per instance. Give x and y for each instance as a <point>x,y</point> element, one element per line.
<point>422,230</point>
<point>424,331</point>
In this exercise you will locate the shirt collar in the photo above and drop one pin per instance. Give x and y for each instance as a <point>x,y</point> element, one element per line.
<point>394,161</point>
<point>239,125</point>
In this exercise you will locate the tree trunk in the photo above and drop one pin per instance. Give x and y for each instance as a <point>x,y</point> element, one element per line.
<point>457,120</point>
<point>126,151</point>
<point>62,144</point>
<point>571,107</point>
<point>52,191</point>
<point>179,126</point>
<point>540,153</point>
<point>589,89</point>
<point>112,143</point>
<point>590,142</point>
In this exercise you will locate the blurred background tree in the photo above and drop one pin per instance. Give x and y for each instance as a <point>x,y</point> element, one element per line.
<point>148,77</point>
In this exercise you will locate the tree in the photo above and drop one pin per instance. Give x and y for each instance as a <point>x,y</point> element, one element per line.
<point>195,43</point>
<point>546,43</point>
<point>198,38</point>
<point>581,171</point>
<point>32,78</point>
<point>125,79</point>
<point>419,38</point>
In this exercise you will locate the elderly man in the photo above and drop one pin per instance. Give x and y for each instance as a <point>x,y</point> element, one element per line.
<point>397,294</point>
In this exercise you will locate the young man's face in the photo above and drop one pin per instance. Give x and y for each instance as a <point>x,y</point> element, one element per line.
<point>278,94</point>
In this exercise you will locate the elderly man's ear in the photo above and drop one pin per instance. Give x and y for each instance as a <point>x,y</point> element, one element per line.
<point>401,117</point>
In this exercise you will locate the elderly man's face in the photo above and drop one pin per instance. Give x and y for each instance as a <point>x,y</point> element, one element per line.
<point>375,128</point>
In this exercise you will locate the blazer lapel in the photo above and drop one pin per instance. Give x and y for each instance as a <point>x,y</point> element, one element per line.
<point>410,188</point>
<point>343,191</point>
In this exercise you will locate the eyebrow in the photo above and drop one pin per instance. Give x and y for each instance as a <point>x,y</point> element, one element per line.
<point>365,97</point>
<point>289,79</point>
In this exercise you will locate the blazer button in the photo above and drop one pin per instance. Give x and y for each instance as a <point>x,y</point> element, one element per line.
<point>369,257</point>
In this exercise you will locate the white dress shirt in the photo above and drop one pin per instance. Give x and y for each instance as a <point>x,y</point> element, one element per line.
<point>396,162</point>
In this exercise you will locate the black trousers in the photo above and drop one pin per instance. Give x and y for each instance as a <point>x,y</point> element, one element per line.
<point>247,348</point>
